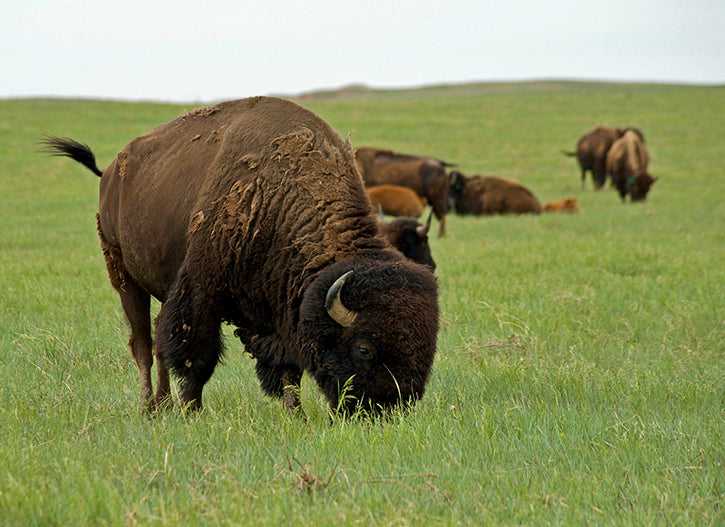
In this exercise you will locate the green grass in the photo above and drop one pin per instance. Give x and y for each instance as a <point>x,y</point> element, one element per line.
<point>580,375</point>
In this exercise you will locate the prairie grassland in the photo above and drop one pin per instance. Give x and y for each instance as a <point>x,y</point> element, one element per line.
<point>580,376</point>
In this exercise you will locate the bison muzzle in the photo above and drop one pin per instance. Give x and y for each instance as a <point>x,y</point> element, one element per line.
<point>252,212</point>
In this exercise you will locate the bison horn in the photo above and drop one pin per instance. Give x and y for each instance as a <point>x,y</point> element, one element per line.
<point>423,229</point>
<point>337,311</point>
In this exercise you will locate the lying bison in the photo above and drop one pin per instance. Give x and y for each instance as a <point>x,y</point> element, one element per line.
<point>252,212</point>
<point>562,205</point>
<point>424,175</point>
<point>592,149</point>
<point>395,200</point>
<point>627,162</point>
<point>481,195</point>
<point>409,237</point>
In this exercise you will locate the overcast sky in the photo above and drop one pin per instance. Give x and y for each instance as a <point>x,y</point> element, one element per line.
<point>208,50</point>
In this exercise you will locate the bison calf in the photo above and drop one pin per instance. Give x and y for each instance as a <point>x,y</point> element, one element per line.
<point>562,205</point>
<point>252,212</point>
<point>395,200</point>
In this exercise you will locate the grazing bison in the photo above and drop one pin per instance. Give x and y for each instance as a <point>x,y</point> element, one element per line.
<point>424,175</point>
<point>592,149</point>
<point>410,238</point>
<point>627,165</point>
<point>491,195</point>
<point>562,205</point>
<point>395,200</point>
<point>252,212</point>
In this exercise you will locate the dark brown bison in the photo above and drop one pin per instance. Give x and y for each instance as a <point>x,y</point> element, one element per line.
<point>491,195</point>
<point>592,149</point>
<point>252,212</point>
<point>410,238</point>
<point>562,205</point>
<point>424,175</point>
<point>395,200</point>
<point>627,162</point>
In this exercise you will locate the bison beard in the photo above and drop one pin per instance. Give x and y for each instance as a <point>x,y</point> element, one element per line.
<point>248,212</point>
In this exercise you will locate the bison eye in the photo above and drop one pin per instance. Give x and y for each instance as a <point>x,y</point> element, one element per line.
<point>363,350</point>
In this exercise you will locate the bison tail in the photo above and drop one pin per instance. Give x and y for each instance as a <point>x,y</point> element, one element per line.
<point>569,154</point>
<point>64,146</point>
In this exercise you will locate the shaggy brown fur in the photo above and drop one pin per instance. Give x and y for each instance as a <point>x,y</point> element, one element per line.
<point>627,162</point>
<point>491,195</point>
<point>592,149</point>
<point>424,175</point>
<point>247,212</point>
<point>395,200</point>
<point>562,205</point>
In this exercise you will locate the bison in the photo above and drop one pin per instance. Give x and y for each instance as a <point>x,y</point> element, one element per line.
<point>491,195</point>
<point>252,212</point>
<point>395,200</point>
<point>562,205</point>
<point>409,237</point>
<point>592,149</point>
<point>627,165</point>
<point>424,175</point>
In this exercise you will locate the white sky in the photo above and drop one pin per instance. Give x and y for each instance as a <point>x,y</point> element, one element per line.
<point>208,50</point>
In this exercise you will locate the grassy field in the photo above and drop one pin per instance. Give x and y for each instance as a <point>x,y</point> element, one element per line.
<point>580,375</point>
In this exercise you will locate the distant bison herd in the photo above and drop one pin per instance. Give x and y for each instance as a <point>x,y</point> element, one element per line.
<point>619,153</point>
<point>257,213</point>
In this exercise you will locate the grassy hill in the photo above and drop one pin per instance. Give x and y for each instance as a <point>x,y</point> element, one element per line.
<point>581,362</point>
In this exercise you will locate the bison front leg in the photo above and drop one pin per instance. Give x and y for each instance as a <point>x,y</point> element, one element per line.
<point>188,339</point>
<point>282,382</point>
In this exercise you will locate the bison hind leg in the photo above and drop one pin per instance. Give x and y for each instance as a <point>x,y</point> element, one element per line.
<point>136,305</point>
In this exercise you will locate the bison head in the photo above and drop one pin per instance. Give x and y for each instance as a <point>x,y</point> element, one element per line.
<point>638,186</point>
<point>410,238</point>
<point>455,189</point>
<point>368,332</point>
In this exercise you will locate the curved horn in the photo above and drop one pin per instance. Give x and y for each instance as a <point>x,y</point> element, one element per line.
<point>422,230</point>
<point>337,311</point>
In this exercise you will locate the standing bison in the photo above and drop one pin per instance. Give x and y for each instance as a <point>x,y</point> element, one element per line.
<point>481,195</point>
<point>627,164</point>
<point>425,175</point>
<point>252,212</point>
<point>592,149</point>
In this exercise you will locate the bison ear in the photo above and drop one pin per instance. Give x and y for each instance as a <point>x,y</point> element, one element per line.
<point>334,306</point>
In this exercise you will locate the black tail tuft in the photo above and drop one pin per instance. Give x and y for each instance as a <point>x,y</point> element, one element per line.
<point>64,146</point>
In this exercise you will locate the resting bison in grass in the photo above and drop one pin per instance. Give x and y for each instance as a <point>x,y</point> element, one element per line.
<point>424,175</point>
<point>562,205</point>
<point>252,212</point>
<point>410,238</point>
<point>395,200</point>
<point>627,165</point>
<point>491,195</point>
<point>592,149</point>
